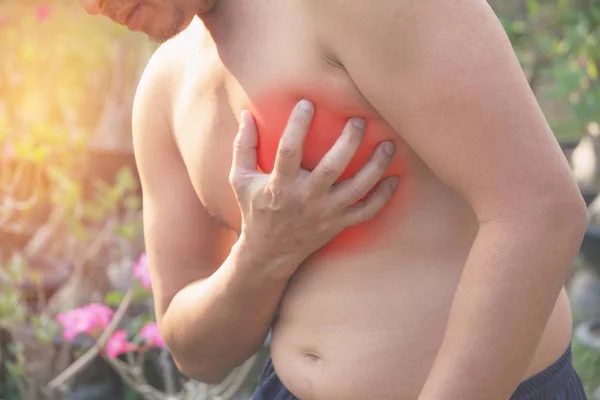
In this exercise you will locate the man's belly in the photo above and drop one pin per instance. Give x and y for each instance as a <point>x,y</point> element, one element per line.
<point>370,327</point>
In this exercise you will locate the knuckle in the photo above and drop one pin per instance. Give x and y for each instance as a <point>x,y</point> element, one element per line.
<point>355,190</point>
<point>369,210</point>
<point>238,141</point>
<point>274,186</point>
<point>300,200</point>
<point>277,191</point>
<point>236,179</point>
<point>233,177</point>
<point>285,197</point>
<point>369,213</point>
<point>329,171</point>
<point>300,196</point>
<point>286,151</point>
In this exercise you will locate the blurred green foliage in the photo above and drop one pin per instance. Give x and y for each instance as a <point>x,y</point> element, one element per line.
<point>53,69</point>
<point>587,363</point>
<point>557,42</point>
<point>56,69</point>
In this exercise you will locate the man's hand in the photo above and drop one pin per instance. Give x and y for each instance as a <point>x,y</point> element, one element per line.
<point>291,213</point>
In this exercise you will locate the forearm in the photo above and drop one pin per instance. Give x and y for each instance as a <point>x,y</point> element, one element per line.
<point>214,325</point>
<point>508,290</point>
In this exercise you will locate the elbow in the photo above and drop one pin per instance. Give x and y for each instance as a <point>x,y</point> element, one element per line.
<point>546,216</point>
<point>553,219</point>
<point>566,217</point>
<point>560,223</point>
<point>566,222</point>
<point>207,374</point>
<point>189,361</point>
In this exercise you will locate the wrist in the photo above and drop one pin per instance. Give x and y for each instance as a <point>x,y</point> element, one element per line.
<point>252,256</point>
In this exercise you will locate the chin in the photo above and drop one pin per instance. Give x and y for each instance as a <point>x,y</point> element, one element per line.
<point>161,34</point>
<point>165,32</point>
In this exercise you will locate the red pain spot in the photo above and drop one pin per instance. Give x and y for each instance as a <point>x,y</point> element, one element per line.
<point>271,116</point>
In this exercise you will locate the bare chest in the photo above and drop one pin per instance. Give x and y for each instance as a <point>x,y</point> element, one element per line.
<point>266,68</point>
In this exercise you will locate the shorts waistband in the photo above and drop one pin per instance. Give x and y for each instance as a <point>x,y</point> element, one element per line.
<point>552,379</point>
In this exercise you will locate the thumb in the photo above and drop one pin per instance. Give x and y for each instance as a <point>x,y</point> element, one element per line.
<point>245,143</point>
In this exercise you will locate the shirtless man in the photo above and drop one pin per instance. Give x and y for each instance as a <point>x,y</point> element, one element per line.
<point>454,291</point>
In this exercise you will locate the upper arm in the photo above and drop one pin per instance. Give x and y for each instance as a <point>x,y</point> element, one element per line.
<point>183,243</point>
<point>444,75</point>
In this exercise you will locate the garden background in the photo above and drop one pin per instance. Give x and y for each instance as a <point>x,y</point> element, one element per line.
<point>71,247</point>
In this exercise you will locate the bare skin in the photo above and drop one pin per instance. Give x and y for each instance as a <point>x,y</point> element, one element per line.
<point>454,291</point>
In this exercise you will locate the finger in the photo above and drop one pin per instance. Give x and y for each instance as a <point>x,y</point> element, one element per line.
<point>289,153</point>
<point>333,164</point>
<point>356,188</point>
<point>373,204</point>
<point>244,144</point>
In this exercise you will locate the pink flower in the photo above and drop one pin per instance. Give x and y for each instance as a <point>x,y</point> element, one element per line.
<point>42,12</point>
<point>90,319</point>
<point>142,273</point>
<point>152,335</point>
<point>118,344</point>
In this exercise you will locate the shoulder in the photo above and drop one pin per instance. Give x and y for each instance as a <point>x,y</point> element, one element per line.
<point>409,17</point>
<point>157,99</point>
<point>165,74</point>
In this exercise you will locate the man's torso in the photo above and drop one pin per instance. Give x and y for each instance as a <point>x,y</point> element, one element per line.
<point>364,317</point>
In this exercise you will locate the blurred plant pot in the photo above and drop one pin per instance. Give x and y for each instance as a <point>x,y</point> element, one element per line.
<point>104,164</point>
<point>590,247</point>
<point>98,380</point>
<point>584,295</point>
<point>588,194</point>
<point>568,146</point>
<point>588,333</point>
<point>155,374</point>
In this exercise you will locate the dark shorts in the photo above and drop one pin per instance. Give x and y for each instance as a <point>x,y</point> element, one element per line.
<point>557,382</point>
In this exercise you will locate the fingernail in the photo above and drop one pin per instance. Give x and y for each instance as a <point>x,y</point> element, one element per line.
<point>389,148</point>
<point>305,105</point>
<point>358,123</point>
<point>394,182</point>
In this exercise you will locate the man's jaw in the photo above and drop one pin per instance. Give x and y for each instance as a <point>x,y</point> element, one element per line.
<point>206,6</point>
<point>125,15</point>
